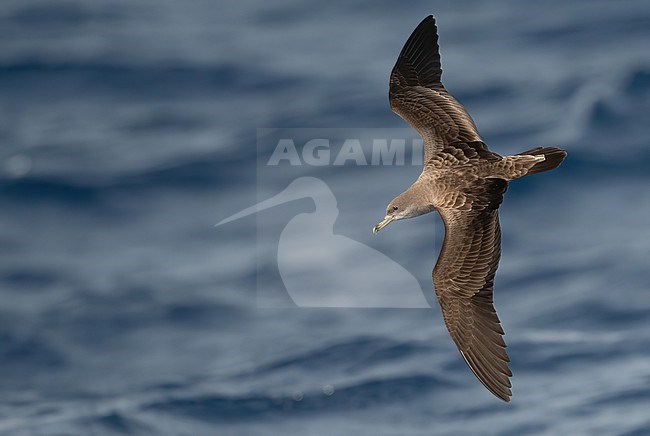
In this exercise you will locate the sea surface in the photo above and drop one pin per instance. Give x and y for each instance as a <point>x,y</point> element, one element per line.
<point>129,128</point>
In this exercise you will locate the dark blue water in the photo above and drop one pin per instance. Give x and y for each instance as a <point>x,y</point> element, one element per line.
<point>127,129</point>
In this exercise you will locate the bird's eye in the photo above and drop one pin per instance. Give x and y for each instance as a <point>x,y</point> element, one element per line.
<point>394,208</point>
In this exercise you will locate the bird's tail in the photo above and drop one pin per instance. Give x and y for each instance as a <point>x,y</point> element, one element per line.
<point>553,157</point>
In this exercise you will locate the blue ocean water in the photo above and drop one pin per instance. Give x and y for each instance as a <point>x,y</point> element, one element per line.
<point>128,129</point>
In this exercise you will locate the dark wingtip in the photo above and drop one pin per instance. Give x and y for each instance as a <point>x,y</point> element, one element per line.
<point>502,392</point>
<point>419,60</point>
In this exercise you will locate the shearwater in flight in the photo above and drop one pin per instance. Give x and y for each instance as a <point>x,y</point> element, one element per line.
<point>465,183</point>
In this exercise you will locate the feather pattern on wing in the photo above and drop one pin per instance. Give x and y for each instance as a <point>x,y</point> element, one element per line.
<point>464,277</point>
<point>417,95</point>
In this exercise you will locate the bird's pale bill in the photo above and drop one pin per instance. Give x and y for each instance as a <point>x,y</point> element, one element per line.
<point>383,224</point>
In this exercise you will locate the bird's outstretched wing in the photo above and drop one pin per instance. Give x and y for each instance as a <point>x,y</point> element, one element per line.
<point>417,95</point>
<point>463,278</point>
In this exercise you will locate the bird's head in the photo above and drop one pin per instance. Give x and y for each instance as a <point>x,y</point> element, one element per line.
<point>406,205</point>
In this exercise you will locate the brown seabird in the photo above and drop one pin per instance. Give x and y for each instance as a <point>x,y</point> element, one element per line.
<point>465,183</point>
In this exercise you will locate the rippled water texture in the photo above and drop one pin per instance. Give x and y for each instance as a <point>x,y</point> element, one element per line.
<point>128,129</point>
